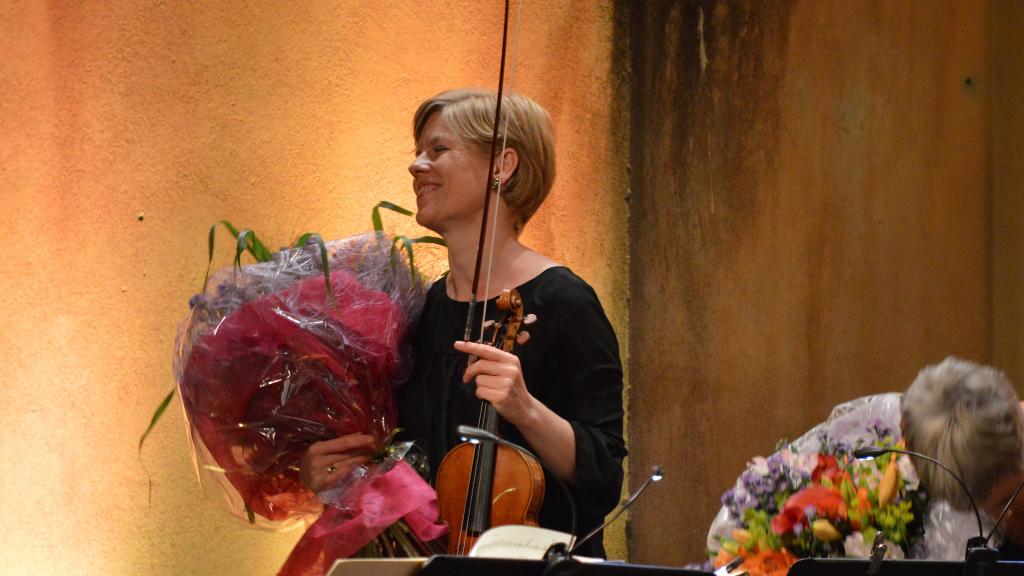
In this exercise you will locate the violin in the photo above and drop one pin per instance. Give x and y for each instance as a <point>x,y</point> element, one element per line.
<point>486,484</point>
<point>481,485</point>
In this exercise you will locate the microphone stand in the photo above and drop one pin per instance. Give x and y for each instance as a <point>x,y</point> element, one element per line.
<point>656,476</point>
<point>559,559</point>
<point>979,554</point>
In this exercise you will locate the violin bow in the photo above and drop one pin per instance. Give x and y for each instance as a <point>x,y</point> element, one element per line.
<point>488,187</point>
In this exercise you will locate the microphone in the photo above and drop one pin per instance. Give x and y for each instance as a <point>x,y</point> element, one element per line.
<point>656,476</point>
<point>878,550</point>
<point>474,435</point>
<point>979,556</point>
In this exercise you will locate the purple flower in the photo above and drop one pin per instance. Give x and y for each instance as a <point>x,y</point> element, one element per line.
<point>810,512</point>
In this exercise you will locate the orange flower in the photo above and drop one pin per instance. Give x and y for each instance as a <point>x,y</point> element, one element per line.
<point>827,502</point>
<point>828,467</point>
<point>761,562</point>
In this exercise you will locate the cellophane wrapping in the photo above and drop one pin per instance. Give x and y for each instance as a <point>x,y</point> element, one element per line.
<point>267,363</point>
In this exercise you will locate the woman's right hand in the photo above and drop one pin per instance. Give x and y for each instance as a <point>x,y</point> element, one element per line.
<point>328,461</point>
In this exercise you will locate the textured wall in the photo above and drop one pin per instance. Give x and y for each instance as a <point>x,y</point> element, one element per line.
<point>127,128</point>
<point>1008,188</point>
<point>809,222</point>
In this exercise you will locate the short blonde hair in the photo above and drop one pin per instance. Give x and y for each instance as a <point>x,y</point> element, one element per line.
<point>470,114</point>
<point>969,418</point>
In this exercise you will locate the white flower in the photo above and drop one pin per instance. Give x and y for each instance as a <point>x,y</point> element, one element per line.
<point>856,548</point>
<point>907,472</point>
<point>894,552</point>
<point>805,463</point>
<point>759,465</point>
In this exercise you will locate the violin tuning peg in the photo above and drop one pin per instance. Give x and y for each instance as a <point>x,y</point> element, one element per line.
<point>530,319</point>
<point>488,323</point>
<point>523,337</point>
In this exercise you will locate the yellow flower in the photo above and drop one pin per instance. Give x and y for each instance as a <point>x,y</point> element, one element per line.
<point>744,537</point>
<point>889,483</point>
<point>824,530</point>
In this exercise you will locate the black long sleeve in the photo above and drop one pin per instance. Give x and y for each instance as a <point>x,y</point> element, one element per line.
<point>571,364</point>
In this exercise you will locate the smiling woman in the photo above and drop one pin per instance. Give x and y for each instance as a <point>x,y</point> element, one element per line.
<point>562,394</point>
<point>461,121</point>
<point>286,117</point>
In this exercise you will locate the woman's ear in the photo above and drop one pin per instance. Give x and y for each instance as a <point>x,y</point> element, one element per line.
<point>506,165</point>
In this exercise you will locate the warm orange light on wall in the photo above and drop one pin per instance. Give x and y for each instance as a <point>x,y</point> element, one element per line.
<point>126,130</point>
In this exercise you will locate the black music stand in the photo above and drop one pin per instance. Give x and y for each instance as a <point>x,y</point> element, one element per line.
<point>463,566</point>
<point>859,567</point>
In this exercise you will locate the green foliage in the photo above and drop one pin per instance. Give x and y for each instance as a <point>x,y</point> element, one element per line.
<point>759,525</point>
<point>303,240</point>
<point>156,416</point>
<point>406,242</point>
<point>378,224</point>
<point>245,241</point>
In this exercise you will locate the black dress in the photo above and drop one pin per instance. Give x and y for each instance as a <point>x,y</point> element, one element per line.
<point>571,364</point>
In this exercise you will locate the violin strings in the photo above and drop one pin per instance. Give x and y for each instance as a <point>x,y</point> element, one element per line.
<point>501,154</point>
<point>487,419</point>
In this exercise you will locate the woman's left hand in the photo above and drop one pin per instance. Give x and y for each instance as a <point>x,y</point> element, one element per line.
<point>499,380</point>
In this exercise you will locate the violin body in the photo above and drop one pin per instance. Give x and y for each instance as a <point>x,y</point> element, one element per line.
<point>516,493</point>
<point>480,485</point>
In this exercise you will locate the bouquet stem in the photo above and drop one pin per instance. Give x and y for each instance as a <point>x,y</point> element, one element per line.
<point>399,541</point>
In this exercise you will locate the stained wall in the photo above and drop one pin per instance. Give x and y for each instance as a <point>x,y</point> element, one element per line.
<point>127,128</point>
<point>1007,46</point>
<point>824,198</point>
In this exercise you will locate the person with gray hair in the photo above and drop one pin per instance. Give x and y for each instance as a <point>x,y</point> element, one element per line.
<point>965,415</point>
<point>968,417</point>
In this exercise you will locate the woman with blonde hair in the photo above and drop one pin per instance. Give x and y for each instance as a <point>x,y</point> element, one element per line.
<point>561,397</point>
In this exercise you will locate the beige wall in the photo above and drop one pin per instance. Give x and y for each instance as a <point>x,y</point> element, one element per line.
<point>127,128</point>
<point>811,220</point>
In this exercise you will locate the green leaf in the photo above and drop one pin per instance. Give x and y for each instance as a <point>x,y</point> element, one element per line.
<point>209,242</point>
<point>301,243</point>
<point>378,225</point>
<point>407,243</point>
<point>304,239</point>
<point>156,416</point>
<point>259,251</point>
<point>241,245</point>
<point>247,241</point>
<point>429,240</point>
<point>230,227</point>
<point>209,261</point>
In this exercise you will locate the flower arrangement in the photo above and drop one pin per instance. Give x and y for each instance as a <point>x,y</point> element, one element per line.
<point>824,503</point>
<point>307,344</point>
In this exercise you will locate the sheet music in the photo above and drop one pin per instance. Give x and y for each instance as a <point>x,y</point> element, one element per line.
<point>518,542</point>
<point>376,567</point>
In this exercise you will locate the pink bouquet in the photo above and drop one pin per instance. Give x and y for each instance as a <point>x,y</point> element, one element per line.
<point>280,354</point>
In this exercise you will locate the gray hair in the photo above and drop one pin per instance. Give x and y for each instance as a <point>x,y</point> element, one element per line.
<point>969,418</point>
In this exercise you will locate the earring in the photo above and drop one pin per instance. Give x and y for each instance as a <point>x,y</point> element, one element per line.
<point>495,183</point>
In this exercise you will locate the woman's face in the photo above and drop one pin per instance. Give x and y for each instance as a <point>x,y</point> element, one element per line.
<point>448,177</point>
